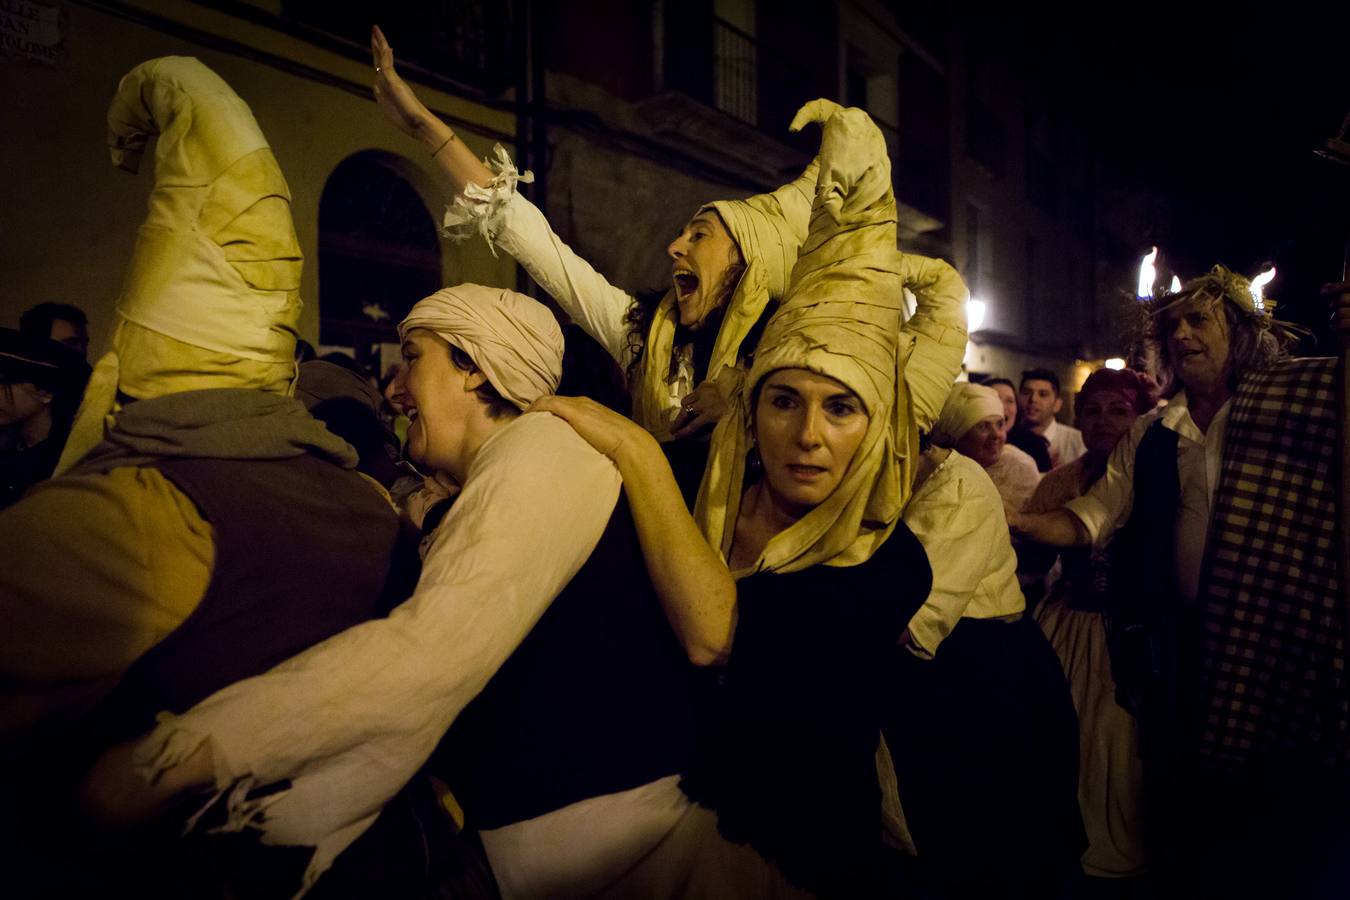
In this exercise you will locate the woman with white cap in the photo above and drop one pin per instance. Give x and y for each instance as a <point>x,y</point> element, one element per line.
<point>729,264</point>
<point>973,423</point>
<point>795,573</point>
<point>532,669</point>
<point>989,785</point>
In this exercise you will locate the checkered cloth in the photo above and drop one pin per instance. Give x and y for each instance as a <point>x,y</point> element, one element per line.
<point>1273,664</point>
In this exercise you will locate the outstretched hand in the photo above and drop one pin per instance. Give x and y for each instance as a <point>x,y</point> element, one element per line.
<point>616,436</point>
<point>114,796</point>
<point>393,95</point>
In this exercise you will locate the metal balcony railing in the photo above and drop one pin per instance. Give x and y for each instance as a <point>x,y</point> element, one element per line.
<point>735,71</point>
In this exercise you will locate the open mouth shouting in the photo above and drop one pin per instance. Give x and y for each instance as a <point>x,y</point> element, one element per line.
<point>685,281</point>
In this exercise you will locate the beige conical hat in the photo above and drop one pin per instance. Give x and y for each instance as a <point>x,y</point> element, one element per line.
<point>211,297</point>
<point>767,228</point>
<point>840,318</point>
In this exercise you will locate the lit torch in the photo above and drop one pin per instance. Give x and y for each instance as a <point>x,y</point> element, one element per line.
<point>1258,287</point>
<point>1147,275</point>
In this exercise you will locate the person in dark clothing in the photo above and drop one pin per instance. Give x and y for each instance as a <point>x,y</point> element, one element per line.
<point>41,383</point>
<point>60,322</point>
<point>201,525</point>
<point>795,575</point>
<point>1016,432</point>
<point>1226,616</point>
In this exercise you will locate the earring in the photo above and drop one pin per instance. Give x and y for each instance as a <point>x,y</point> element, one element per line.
<point>754,466</point>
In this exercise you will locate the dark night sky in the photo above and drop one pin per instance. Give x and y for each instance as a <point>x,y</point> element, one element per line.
<point>1239,95</point>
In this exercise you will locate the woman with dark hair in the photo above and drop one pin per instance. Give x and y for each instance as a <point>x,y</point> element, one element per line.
<point>1110,771</point>
<point>795,573</point>
<point>41,383</point>
<point>729,266</point>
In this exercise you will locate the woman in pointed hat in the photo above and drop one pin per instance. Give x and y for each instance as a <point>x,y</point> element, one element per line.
<point>729,263</point>
<point>795,573</point>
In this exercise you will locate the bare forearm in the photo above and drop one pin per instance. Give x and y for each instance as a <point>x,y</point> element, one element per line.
<point>410,115</point>
<point>1059,528</point>
<point>694,586</point>
<point>454,160</point>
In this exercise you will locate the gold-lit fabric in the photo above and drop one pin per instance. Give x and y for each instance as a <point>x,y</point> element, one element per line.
<point>129,566</point>
<point>768,230</point>
<point>212,294</point>
<point>514,339</point>
<point>840,318</point>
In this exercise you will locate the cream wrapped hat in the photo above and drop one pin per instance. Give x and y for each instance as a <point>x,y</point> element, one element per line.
<point>967,405</point>
<point>212,296</point>
<point>514,339</point>
<point>768,229</point>
<point>840,318</point>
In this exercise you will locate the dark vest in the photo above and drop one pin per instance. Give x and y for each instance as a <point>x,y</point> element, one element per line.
<point>594,701</point>
<point>1146,617</point>
<point>302,550</point>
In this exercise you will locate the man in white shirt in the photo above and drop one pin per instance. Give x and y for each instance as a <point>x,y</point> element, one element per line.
<point>1040,403</point>
<point>1227,624</point>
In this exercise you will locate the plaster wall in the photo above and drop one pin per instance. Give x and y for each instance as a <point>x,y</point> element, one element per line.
<point>68,219</point>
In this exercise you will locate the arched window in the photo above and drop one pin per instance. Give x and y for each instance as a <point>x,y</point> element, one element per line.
<point>378,254</point>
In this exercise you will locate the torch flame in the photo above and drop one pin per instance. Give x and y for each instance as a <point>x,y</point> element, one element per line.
<point>1147,275</point>
<point>1258,287</point>
<point>1176,284</point>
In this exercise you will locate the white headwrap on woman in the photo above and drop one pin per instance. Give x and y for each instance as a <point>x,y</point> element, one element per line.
<point>841,318</point>
<point>514,339</point>
<point>967,405</point>
<point>212,296</point>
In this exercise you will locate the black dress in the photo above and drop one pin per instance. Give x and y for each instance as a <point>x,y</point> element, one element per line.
<point>984,738</point>
<point>788,760</point>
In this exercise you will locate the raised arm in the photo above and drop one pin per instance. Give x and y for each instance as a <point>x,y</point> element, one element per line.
<point>696,590</point>
<point>460,165</point>
<point>485,202</point>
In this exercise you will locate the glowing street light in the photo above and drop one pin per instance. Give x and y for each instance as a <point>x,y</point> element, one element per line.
<point>1147,275</point>
<point>1258,287</point>
<point>1115,362</point>
<point>975,311</point>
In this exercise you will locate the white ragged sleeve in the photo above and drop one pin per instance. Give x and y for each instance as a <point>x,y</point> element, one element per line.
<point>350,720</point>
<point>507,220</point>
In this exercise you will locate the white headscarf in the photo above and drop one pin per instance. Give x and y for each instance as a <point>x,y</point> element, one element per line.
<point>514,339</point>
<point>967,405</point>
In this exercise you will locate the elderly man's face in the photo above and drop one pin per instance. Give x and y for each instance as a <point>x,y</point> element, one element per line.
<point>1197,343</point>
